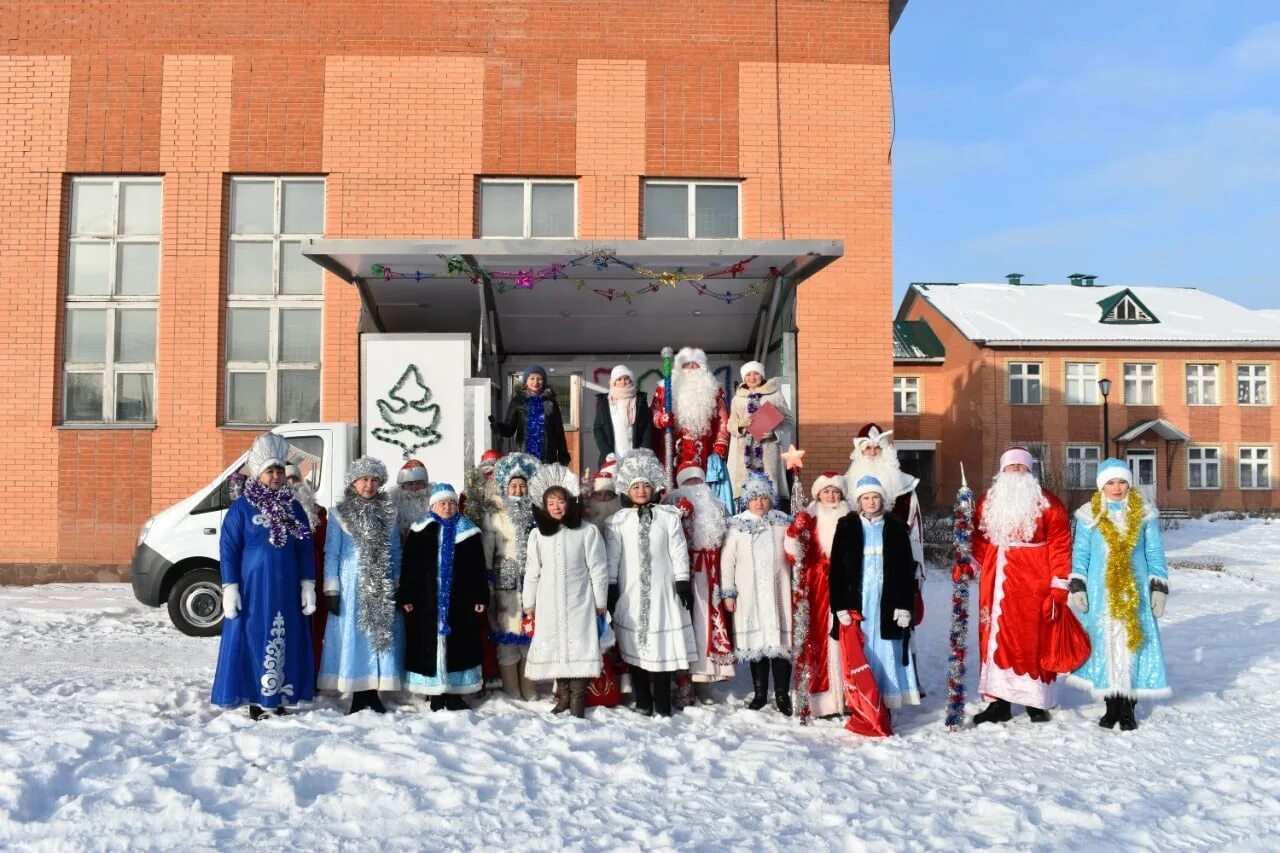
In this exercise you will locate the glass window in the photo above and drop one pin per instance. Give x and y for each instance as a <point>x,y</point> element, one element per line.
<point>1024,383</point>
<point>1082,383</point>
<point>551,210</point>
<point>691,209</point>
<point>113,280</point>
<point>1255,467</point>
<point>274,301</point>
<point>1140,384</point>
<point>906,395</point>
<point>1082,466</point>
<point>1253,384</point>
<point>1202,384</point>
<point>525,208</point>
<point>1203,468</point>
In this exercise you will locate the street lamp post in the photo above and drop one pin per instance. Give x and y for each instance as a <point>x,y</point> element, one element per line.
<point>1104,385</point>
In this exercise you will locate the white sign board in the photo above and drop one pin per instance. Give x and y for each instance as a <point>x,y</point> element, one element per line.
<point>414,401</point>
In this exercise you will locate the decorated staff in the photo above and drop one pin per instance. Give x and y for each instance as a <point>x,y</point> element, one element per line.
<point>800,586</point>
<point>961,574</point>
<point>668,446</point>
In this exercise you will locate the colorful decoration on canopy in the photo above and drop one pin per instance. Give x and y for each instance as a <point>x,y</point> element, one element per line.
<point>961,573</point>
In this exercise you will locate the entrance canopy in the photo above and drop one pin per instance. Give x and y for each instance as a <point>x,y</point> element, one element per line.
<point>1158,426</point>
<point>579,297</point>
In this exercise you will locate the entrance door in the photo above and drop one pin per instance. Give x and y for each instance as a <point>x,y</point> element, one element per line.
<point>568,390</point>
<point>1143,465</point>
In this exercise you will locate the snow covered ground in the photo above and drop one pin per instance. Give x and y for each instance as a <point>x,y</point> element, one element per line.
<point>107,742</point>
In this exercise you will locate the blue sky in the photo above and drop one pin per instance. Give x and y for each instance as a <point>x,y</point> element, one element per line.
<point>1138,141</point>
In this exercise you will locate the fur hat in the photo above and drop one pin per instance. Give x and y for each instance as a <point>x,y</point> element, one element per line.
<point>866,486</point>
<point>489,459</point>
<point>690,354</point>
<point>514,465</point>
<point>604,480</point>
<point>830,478</point>
<point>1113,469</point>
<point>752,367</point>
<point>620,370</point>
<point>268,451</point>
<point>758,486</point>
<point>292,470</point>
<point>1017,456</point>
<point>868,435</point>
<point>640,466</point>
<point>366,466</point>
<point>552,475</point>
<point>689,471</point>
<point>443,492</point>
<point>412,471</point>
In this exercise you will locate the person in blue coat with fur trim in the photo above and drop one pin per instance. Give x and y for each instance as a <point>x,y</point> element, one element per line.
<point>1119,583</point>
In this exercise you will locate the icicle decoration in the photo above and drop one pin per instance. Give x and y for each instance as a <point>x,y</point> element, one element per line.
<point>800,602</point>
<point>961,574</point>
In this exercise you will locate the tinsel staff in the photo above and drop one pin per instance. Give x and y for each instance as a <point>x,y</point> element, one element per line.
<point>668,361</point>
<point>961,573</point>
<point>794,460</point>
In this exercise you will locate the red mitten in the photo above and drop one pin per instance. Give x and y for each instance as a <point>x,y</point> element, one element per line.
<point>685,506</point>
<point>662,419</point>
<point>800,525</point>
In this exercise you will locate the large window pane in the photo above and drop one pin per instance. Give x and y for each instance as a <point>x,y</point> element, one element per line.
<point>86,336</point>
<point>247,393</point>
<point>501,210</point>
<point>253,207</point>
<point>89,269</point>
<point>299,335</point>
<point>136,336</point>
<point>91,208</point>
<point>666,210</point>
<point>140,209</point>
<point>299,395</point>
<point>247,334</point>
<point>138,272</point>
<point>297,274</point>
<point>303,207</point>
<point>250,269</point>
<point>84,396</point>
<point>133,398</point>
<point>716,211</point>
<point>552,210</point>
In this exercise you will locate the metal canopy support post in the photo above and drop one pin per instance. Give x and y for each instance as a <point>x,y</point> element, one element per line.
<point>368,303</point>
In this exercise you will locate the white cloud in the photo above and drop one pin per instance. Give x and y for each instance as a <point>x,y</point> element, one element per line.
<point>1259,50</point>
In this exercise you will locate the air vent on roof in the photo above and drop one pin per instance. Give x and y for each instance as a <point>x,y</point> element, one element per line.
<point>1079,279</point>
<point>1014,278</point>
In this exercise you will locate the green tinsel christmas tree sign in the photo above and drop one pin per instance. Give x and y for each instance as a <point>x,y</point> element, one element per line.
<point>400,410</point>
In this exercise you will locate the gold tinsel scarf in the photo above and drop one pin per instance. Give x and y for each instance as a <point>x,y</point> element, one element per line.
<point>1122,586</point>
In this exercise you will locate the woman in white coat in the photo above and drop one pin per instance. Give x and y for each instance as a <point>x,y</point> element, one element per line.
<point>649,581</point>
<point>565,589</point>
<point>757,590</point>
<point>747,455</point>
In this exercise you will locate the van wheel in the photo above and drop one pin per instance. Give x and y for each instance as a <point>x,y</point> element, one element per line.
<point>195,603</point>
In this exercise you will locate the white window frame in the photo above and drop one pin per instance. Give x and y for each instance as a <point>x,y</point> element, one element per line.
<point>1075,457</point>
<point>112,303</point>
<point>1204,373</point>
<point>274,301</point>
<point>1024,378</point>
<point>1086,385</point>
<point>1256,458</point>
<point>1204,463</point>
<point>691,207</point>
<point>1040,465</point>
<point>1259,373</point>
<point>903,386</point>
<point>528,184</point>
<point>1139,380</point>
<point>1136,314</point>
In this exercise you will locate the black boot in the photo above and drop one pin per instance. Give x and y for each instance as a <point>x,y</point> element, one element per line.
<point>362,699</point>
<point>662,694</point>
<point>997,712</point>
<point>641,690</point>
<point>782,685</point>
<point>1128,719</point>
<point>1037,715</point>
<point>282,711</point>
<point>256,712</point>
<point>453,702</point>
<point>375,703</point>
<point>1112,716</point>
<point>437,703</point>
<point>760,681</point>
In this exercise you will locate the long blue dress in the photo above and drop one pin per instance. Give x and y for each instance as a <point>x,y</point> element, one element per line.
<point>897,682</point>
<point>265,656</point>
<point>348,664</point>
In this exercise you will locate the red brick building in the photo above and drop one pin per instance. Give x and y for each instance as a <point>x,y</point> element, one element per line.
<point>1190,402</point>
<point>163,163</point>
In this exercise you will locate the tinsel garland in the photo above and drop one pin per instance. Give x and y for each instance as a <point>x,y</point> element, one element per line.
<point>1122,586</point>
<point>646,572</point>
<point>371,522</point>
<point>510,573</point>
<point>752,450</point>
<point>473,488</point>
<point>535,416</point>
<point>444,592</point>
<point>275,512</point>
<point>961,574</point>
<point>507,638</point>
<point>800,603</point>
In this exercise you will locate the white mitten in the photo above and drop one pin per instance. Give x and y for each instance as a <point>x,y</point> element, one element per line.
<point>308,597</point>
<point>1080,601</point>
<point>1157,602</point>
<point>844,617</point>
<point>903,618</point>
<point>231,601</point>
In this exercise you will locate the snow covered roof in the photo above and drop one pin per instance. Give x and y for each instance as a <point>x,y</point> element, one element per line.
<point>1064,314</point>
<point>913,340</point>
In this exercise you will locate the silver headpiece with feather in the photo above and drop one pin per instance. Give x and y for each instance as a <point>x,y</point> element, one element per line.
<point>552,475</point>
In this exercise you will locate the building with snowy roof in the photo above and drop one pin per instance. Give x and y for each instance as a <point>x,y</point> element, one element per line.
<point>1178,382</point>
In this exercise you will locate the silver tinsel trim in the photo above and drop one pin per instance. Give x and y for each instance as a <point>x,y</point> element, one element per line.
<point>371,524</point>
<point>646,572</point>
<point>510,572</point>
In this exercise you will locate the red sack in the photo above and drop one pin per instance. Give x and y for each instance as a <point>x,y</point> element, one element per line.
<point>868,715</point>
<point>1064,645</point>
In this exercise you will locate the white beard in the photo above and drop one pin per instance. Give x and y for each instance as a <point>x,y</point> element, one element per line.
<point>694,403</point>
<point>598,510</point>
<point>710,518</point>
<point>884,468</point>
<point>827,518</point>
<point>1011,508</point>
<point>304,494</point>
<point>410,506</point>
